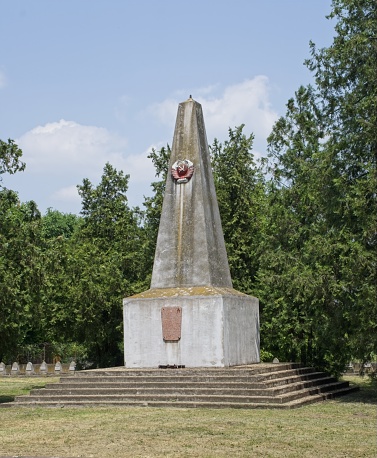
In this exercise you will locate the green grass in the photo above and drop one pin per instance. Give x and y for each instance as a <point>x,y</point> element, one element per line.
<point>368,389</point>
<point>15,386</point>
<point>345,427</point>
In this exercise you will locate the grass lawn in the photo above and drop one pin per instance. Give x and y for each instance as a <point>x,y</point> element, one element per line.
<point>11,387</point>
<point>346,427</point>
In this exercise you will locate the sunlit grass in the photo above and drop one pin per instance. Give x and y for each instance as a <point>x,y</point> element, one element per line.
<point>14,386</point>
<point>345,427</point>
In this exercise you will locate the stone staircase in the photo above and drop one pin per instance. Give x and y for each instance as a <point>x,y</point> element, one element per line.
<point>256,386</point>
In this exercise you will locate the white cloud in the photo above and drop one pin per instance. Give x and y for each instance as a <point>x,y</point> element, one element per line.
<point>67,194</point>
<point>243,103</point>
<point>165,111</point>
<point>59,155</point>
<point>139,167</point>
<point>64,146</point>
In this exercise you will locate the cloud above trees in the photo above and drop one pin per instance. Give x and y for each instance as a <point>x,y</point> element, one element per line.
<point>70,152</point>
<point>63,145</point>
<point>246,103</point>
<point>67,151</point>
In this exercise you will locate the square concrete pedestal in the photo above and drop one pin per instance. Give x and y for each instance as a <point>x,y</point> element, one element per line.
<point>193,327</point>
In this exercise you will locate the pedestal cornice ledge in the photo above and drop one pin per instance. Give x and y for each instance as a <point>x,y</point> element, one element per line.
<point>155,293</point>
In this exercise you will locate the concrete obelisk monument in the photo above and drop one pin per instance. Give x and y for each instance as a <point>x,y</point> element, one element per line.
<point>191,316</point>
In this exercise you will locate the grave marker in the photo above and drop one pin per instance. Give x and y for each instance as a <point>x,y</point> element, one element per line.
<point>43,369</point>
<point>29,368</point>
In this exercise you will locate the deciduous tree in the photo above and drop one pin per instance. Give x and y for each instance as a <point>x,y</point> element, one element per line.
<point>10,158</point>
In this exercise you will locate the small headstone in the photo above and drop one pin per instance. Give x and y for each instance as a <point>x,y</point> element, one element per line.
<point>58,367</point>
<point>29,368</point>
<point>72,366</point>
<point>275,361</point>
<point>43,368</point>
<point>3,369</point>
<point>15,368</point>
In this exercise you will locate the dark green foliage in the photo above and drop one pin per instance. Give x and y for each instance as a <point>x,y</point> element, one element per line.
<point>56,224</point>
<point>21,272</point>
<point>301,236</point>
<point>346,80</point>
<point>240,193</point>
<point>10,155</point>
<point>153,207</point>
<point>105,266</point>
<point>318,275</point>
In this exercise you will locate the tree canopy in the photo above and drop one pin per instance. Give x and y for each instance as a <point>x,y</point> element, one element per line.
<point>299,226</point>
<point>323,196</point>
<point>10,158</point>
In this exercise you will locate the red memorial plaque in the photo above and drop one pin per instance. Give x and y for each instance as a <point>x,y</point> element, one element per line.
<point>171,319</point>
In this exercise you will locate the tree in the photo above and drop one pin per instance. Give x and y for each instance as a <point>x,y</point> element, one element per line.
<point>346,81</point>
<point>296,278</point>
<point>10,155</point>
<point>59,231</point>
<point>153,208</point>
<point>56,224</point>
<point>240,194</point>
<point>103,268</point>
<point>318,276</point>
<point>21,274</point>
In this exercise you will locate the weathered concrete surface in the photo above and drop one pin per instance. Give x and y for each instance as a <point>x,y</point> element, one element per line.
<point>219,329</point>
<point>190,245</point>
<point>282,385</point>
<point>219,326</point>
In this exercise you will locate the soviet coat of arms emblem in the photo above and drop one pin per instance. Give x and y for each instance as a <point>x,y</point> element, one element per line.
<point>182,171</point>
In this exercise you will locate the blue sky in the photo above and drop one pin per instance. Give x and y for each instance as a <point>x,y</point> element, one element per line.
<point>85,82</point>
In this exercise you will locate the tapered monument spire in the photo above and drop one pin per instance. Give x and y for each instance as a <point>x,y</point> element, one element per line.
<point>190,246</point>
<point>191,316</point>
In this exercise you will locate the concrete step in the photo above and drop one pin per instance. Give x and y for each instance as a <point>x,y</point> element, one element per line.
<point>255,386</point>
<point>167,382</point>
<point>247,389</point>
<point>295,403</point>
<point>173,397</point>
<point>177,377</point>
<point>187,394</point>
<point>190,371</point>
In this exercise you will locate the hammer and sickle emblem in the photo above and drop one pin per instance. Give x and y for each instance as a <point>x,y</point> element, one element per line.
<point>182,171</point>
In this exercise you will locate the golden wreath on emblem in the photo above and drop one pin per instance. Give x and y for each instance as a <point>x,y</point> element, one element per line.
<point>182,171</point>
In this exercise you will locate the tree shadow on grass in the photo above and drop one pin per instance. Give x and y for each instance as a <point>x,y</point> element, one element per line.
<point>23,391</point>
<point>366,394</point>
<point>6,398</point>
